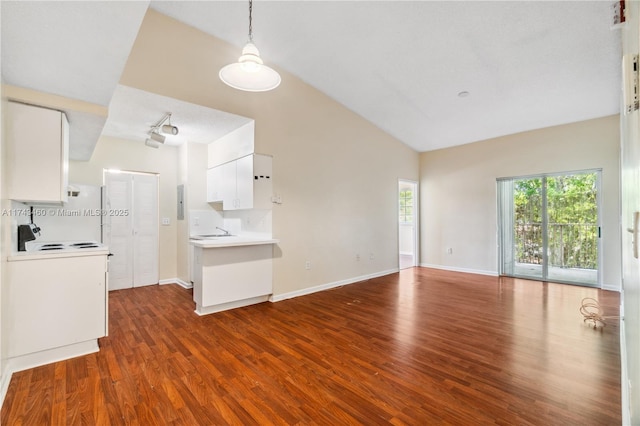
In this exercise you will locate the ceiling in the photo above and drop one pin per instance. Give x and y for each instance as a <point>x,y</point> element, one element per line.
<point>400,65</point>
<point>134,112</point>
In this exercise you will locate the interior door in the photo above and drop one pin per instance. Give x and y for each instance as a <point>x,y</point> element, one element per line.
<point>118,229</point>
<point>131,229</point>
<point>145,229</point>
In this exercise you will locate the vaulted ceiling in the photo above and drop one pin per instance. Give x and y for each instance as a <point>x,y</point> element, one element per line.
<point>401,65</point>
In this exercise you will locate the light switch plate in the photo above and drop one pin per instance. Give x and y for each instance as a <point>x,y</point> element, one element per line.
<point>166,221</point>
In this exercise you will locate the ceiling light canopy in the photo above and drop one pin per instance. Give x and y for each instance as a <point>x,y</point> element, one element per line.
<point>249,73</point>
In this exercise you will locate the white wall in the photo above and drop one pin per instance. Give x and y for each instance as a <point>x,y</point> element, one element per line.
<point>458,190</point>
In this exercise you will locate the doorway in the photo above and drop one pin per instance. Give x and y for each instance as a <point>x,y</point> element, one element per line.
<point>131,228</point>
<point>549,227</point>
<point>407,224</point>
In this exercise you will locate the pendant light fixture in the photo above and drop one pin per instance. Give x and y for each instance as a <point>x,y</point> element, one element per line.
<point>250,73</point>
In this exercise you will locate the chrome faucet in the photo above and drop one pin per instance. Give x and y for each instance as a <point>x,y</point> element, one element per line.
<point>223,230</point>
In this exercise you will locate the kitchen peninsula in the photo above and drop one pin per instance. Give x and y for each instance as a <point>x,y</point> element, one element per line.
<point>231,272</point>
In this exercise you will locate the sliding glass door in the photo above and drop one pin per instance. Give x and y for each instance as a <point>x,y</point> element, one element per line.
<point>549,227</point>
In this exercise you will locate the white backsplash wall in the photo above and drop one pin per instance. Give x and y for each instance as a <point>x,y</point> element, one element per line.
<point>237,222</point>
<point>202,222</point>
<point>78,219</point>
<point>251,222</point>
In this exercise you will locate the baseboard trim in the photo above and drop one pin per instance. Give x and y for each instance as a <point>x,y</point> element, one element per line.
<point>322,287</point>
<point>36,359</point>
<point>206,310</point>
<point>465,270</point>
<point>178,281</point>
<point>611,288</point>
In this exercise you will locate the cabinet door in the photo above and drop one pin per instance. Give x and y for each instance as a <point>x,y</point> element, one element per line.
<point>244,182</point>
<point>228,173</point>
<point>37,153</point>
<point>215,184</point>
<point>55,302</point>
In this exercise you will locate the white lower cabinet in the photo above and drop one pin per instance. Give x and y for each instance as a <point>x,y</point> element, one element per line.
<point>54,302</point>
<point>231,277</point>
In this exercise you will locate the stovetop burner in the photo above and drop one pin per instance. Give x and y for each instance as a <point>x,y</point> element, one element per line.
<point>64,245</point>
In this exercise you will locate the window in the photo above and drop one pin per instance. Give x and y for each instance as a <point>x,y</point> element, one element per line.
<point>406,206</point>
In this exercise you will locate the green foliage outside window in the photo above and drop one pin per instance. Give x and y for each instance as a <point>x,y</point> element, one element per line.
<point>572,212</point>
<point>406,206</point>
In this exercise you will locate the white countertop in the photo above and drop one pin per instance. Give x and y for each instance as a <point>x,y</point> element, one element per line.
<point>218,242</point>
<point>38,255</point>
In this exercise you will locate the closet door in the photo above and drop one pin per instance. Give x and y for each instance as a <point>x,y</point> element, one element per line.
<point>131,229</point>
<point>118,229</point>
<point>145,230</point>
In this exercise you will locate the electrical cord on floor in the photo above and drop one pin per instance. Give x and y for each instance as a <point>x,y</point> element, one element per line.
<point>592,311</point>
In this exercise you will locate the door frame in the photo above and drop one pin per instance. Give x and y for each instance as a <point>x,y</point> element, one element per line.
<point>106,226</point>
<point>545,264</point>
<point>416,219</point>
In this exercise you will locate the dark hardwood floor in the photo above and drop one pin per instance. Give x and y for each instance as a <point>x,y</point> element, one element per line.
<point>418,347</point>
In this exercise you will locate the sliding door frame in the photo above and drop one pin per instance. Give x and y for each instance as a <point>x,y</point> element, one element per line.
<point>501,237</point>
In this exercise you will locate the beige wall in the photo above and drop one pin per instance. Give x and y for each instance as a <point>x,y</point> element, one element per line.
<point>192,174</point>
<point>336,173</point>
<point>111,153</point>
<point>458,190</point>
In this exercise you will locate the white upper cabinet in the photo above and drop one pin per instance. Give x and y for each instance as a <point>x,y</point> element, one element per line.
<point>244,183</point>
<point>37,153</point>
<point>241,184</point>
<point>232,146</point>
<point>215,185</point>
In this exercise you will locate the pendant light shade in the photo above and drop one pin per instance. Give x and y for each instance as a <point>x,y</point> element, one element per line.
<point>249,73</point>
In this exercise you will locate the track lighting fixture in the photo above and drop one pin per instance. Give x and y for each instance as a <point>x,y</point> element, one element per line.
<point>155,138</point>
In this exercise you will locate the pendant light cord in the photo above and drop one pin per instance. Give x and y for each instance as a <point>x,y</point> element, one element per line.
<point>250,24</point>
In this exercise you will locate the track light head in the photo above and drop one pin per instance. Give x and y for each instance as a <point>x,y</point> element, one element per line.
<point>169,129</point>
<point>151,143</point>
<point>157,137</point>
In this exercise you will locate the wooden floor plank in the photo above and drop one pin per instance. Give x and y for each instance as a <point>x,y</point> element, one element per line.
<point>421,346</point>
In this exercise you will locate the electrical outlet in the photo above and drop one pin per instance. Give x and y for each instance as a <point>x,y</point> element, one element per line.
<point>371,257</point>
<point>307,264</point>
<point>449,250</point>
<point>196,221</point>
<point>166,221</point>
